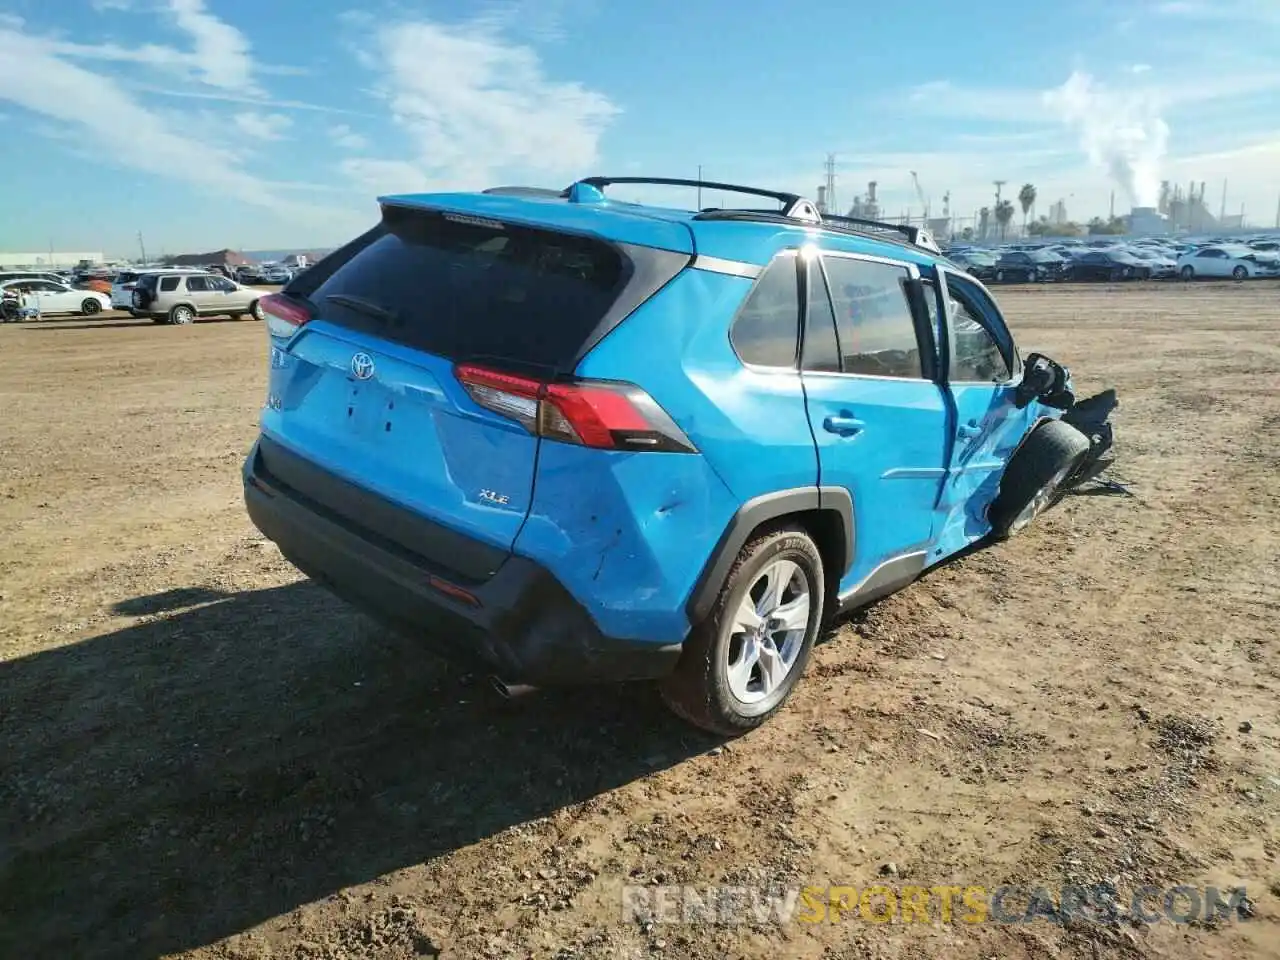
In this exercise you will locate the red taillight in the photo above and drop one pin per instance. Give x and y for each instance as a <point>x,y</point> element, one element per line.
<point>606,415</point>
<point>284,315</point>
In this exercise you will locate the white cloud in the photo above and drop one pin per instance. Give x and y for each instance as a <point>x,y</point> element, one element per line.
<point>221,51</point>
<point>1138,68</point>
<point>263,126</point>
<point>346,138</point>
<point>472,105</point>
<point>120,129</point>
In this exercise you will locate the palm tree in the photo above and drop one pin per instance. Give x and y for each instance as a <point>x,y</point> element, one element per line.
<point>1004,213</point>
<point>1027,198</point>
<point>984,221</point>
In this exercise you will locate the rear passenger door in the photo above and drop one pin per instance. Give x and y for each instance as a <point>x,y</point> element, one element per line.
<point>198,293</point>
<point>878,417</point>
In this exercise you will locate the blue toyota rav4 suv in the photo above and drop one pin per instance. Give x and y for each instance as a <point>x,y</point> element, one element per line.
<point>583,440</point>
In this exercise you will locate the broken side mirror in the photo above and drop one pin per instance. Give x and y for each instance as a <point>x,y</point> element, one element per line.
<point>1046,381</point>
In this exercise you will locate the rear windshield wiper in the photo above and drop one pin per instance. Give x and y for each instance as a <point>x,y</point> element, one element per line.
<point>367,307</point>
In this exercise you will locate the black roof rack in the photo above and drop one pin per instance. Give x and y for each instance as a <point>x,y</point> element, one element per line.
<point>793,205</point>
<point>916,236</point>
<point>793,208</point>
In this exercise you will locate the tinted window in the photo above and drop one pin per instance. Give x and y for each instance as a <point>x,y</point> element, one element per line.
<point>821,352</point>
<point>197,284</point>
<point>873,319</point>
<point>465,287</point>
<point>975,355</point>
<point>169,283</point>
<point>768,323</point>
<point>126,277</point>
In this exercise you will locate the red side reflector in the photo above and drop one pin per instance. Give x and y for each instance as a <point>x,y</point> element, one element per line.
<point>453,590</point>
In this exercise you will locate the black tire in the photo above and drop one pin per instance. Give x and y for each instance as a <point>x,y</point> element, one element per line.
<point>182,315</point>
<point>90,306</point>
<point>699,690</point>
<point>1188,272</point>
<point>1033,478</point>
<point>256,311</point>
<point>1240,273</point>
<point>999,276</point>
<point>1033,276</point>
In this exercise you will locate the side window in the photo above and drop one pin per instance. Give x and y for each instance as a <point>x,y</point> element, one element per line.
<point>197,284</point>
<point>975,354</point>
<point>821,352</point>
<point>169,284</point>
<point>873,318</point>
<point>768,324</point>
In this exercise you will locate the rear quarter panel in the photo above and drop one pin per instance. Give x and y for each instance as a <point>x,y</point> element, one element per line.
<point>629,533</point>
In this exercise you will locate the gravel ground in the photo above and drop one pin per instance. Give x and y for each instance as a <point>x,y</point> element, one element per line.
<point>204,755</point>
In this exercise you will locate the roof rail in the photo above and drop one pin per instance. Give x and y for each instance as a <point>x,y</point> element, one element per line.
<point>793,205</point>
<point>916,236</point>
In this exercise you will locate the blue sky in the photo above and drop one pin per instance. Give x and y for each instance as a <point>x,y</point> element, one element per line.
<point>211,123</point>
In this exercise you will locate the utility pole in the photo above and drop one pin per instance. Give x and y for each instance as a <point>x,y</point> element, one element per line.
<point>1222,214</point>
<point>142,246</point>
<point>999,186</point>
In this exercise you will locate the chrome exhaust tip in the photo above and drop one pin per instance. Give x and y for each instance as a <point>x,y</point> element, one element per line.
<point>509,691</point>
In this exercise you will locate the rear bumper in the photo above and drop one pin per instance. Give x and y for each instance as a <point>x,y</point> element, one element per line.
<point>521,624</point>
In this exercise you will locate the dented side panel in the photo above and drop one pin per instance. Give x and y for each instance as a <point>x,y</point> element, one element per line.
<point>627,534</point>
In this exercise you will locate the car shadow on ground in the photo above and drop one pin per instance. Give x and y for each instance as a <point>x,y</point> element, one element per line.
<point>190,776</point>
<point>49,326</point>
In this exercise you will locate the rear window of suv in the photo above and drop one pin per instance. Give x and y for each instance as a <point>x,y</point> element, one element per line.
<point>473,288</point>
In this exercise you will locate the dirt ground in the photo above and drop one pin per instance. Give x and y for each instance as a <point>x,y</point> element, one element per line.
<point>204,755</point>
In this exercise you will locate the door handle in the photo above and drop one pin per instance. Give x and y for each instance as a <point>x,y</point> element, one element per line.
<point>844,424</point>
<point>970,430</point>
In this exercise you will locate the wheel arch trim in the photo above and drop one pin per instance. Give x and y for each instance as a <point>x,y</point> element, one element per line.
<point>750,517</point>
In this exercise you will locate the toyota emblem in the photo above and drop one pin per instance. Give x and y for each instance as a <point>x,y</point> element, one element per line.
<point>362,366</point>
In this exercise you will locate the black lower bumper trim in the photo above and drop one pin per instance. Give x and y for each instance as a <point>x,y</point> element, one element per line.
<point>525,626</point>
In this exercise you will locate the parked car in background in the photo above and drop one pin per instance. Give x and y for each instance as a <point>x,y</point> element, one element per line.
<point>275,273</point>
<point>124,282</point>
<point>1112,265</point>
<point>53,297</point>
<point>976,263</point>
<point>1238,262</point>
<point>6,275</point>
<point>1020,266</point>
<point>179,298</point>
<point>248,273</point>
<point>1161,265</point>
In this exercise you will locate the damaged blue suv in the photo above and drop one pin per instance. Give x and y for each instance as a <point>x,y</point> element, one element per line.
<point>583,440</point>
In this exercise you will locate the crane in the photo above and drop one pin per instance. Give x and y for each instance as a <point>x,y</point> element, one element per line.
<point>924,204</point>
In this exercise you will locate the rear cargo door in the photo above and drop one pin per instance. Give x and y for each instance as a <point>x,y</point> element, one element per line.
<point>367,389</point>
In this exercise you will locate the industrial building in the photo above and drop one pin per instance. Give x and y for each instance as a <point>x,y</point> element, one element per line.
<point>48,258</point>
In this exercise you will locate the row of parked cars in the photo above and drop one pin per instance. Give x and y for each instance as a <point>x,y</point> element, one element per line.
<point>1149,258</point>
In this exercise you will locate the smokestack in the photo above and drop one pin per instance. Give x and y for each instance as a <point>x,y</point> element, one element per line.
<point>1223,214</point>
<point>871,192</point>
<point>822,198</point>
<point>1113,204</point>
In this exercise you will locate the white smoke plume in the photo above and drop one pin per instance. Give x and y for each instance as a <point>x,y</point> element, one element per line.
<point>1121,131</point>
